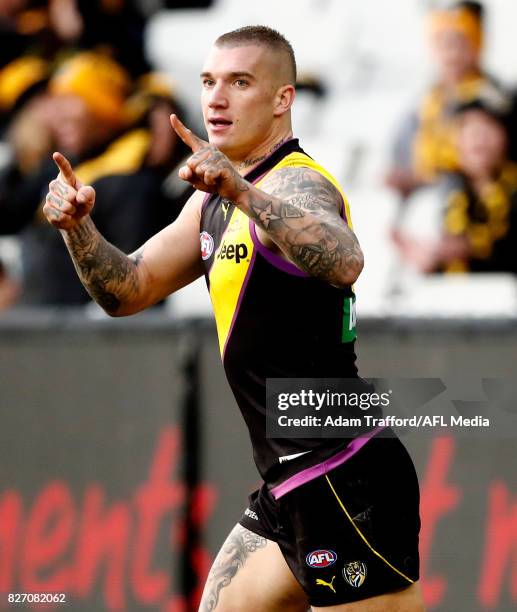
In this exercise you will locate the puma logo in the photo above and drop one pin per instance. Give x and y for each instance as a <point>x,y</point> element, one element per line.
<point>329,584</point>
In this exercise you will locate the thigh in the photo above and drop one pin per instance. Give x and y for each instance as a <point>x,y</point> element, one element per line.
<point>407,600</point>
<point>250,573</point>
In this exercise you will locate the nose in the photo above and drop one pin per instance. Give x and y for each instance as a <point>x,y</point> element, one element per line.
<point>217,97</point>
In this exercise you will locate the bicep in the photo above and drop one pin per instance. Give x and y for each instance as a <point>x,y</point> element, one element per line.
<point>171,259</point>
<point>304,219</point>
<point>307,200</point>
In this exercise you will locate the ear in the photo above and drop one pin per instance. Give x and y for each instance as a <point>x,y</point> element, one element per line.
<point>284,99</point>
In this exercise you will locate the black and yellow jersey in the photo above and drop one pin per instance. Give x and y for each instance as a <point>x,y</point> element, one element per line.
<point>273,320</point>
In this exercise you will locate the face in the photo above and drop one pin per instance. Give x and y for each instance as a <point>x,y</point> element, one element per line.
<point>240,98</point>
<point>76,128</point>
<point>482,144</point>
<point>455,55</point>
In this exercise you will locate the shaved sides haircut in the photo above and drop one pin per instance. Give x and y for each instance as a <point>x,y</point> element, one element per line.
<point>264,37</point>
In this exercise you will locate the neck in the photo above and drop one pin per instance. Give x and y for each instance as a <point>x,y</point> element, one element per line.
<point>452,81</point>
<point>481,181</point>
<point>259,154</point>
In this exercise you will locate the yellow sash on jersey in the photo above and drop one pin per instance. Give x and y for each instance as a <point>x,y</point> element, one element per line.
<point>228,273</point>
<point>230,268</point>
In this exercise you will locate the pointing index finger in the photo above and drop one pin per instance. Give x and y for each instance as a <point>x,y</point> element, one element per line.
<point>65,168</point>
<point>188,136</point>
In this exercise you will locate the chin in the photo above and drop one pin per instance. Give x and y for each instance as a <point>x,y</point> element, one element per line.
<point>218,140</point>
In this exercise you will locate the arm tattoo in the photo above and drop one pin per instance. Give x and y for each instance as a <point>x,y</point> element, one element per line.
<point>109,276</point>
<point>299,209</point>
<point>239,545</point>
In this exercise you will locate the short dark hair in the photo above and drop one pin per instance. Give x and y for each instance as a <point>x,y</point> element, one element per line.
<point>263,36</point>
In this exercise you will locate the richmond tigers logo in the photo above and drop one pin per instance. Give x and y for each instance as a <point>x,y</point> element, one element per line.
<point>355,573</point>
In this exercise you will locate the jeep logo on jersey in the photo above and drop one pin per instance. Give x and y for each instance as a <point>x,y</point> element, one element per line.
<point>207,245</point>
<point>233,251</point>
<point>321,558</point>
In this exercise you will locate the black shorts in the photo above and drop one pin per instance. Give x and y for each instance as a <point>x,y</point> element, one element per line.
<point>351,533</point>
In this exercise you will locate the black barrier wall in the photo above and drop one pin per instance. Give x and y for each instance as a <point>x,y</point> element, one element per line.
<point>121,475</point>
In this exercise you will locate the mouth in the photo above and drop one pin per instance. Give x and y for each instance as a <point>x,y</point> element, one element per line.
<point>219,123</point>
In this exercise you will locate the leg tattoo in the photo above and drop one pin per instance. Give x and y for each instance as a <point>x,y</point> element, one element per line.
<point>240,544</point>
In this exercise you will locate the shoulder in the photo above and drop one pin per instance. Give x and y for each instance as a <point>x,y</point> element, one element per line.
<point>291,173</point>
<point>195,202</point>
<point>190,214</point>
<point>302,185</point>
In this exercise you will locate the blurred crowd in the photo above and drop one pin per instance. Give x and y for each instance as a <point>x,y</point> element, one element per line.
<point>461,142</point>
<point>74,77</point>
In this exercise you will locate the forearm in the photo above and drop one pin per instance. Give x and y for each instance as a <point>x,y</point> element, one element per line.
<point>110,276</point>
<point>309,232</point>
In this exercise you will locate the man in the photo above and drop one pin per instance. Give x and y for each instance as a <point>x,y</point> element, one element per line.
<point>280,259</point>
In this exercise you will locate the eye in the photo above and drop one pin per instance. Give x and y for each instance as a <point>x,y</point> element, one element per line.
<point>208,82</point>
<point>241,83</point>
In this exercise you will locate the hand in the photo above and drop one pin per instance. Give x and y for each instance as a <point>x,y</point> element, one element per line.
<point>68,200</point>
<point>208,169</point>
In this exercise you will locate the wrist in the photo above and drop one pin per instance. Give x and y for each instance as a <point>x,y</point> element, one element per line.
<point>240,195</point>
<point>81,222</point>
<point>82,226</point>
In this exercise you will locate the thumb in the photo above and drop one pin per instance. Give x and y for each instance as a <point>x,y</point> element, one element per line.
<point>86,195</point>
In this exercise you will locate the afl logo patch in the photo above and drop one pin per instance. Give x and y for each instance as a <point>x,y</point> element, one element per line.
<point>207,245</point>
<point>321,558</point>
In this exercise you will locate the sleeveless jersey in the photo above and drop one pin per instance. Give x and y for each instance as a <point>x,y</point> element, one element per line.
<point>273,319</point>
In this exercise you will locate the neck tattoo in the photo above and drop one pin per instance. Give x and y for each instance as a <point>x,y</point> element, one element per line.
<point>251,162</point>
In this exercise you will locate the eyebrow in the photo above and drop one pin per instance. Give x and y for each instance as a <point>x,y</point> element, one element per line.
<point>233,75</point>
